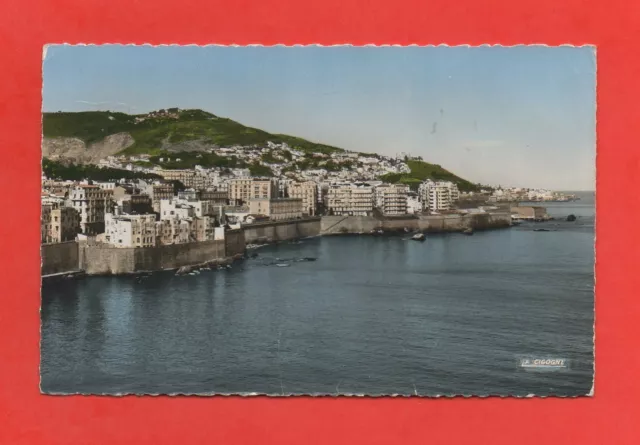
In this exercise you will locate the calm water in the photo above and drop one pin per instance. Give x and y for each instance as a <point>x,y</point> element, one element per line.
<point>370,316</point>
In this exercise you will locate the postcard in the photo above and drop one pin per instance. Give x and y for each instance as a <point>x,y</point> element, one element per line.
<point>326,221</point>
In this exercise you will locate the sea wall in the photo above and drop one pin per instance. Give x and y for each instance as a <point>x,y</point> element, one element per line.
<point>59,258</point>
<point>274,231</point>
<point>234,243</point>
<point>332,225</point>
<point>104,259</point>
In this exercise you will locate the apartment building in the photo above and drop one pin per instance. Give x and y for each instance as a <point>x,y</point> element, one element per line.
<point>245,189</point>
<point>65,224</point>
<point>160,192</point>
<point>190,178</point>
<point>202,228</point>
<point>391,199</point>
<point>45,223</point>
<point>350,200</point>
<point>277,209</point>
<point>92,203</point>
<point>308,192</point>
<point>176,209</point>
<point>172,231</point>
<point>130,230</point>
<point>136,204</point>
<point>438,195</point>
<point>216,197</point>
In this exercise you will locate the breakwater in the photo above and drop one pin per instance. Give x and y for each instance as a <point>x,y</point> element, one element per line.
<point>275,231</point>
<point>103,259</point>
<point>336,225</point>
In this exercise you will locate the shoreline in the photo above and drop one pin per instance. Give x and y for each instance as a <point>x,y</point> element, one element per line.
<point>87,259</point>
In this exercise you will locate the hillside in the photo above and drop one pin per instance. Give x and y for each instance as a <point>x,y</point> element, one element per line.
<point>164,130</point>
<point>175,139</point>
<point>421,171</point>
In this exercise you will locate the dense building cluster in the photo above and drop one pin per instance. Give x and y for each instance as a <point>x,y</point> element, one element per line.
<point>192,205</point>
<point>149,213</point>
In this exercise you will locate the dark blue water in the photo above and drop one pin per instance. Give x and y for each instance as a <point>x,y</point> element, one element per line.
<point>370,316</point>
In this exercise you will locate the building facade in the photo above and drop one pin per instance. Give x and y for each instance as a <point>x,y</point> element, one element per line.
<point>92,203</point>
<point>137,204</point>
<point>308,192</point>
<point>245,189</point>
<point>190,178</point>
<point>391,199</point>
<point>130,230</point>
<point>350,200</point>
<point>277,209</point>
<point>160,192</point>
<point>438,195</point>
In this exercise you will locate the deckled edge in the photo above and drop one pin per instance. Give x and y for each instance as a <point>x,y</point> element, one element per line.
<point>349,395</point>
<point>319,45</point>
<point>314,395</point>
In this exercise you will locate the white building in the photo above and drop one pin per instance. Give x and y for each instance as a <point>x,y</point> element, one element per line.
<point>130,230</point>
<point>350,200</point>
<point>437,196</point>
<point>414,206</point>
<point>175,209</point>
<point>391,199</point>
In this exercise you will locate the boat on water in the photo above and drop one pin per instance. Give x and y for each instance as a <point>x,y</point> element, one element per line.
<point>283,264</point>
<point>418,237</point>
<point>377,232</point>
<point>468,231</point>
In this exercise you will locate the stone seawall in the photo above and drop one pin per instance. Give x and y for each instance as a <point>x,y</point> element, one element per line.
<point>104,259</point>
<point>96,259</point>
<point>274,231</point>
<point>334,225</point>
<point>234,243</point>
<point>59,258</point>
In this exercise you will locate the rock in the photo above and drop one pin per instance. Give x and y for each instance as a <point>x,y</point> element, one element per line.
<point>571,217</point>
<point>183,270</point>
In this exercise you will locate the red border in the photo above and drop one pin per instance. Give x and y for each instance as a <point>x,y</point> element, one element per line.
<point>28,417</point>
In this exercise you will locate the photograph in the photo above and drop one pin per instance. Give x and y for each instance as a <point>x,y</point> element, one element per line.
<point>413,221</point>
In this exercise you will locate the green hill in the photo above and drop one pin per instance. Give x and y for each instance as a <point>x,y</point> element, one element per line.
<point>421,171</point>
<point>151,132</point>
<point>161,133</point>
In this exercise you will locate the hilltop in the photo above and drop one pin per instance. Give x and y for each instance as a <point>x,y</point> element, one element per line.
<point>174,138</point>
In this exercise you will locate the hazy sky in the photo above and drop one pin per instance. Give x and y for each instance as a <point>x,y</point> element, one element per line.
<point>521,116</point>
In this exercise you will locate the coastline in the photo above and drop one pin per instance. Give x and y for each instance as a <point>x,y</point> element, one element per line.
<point>102,260</point>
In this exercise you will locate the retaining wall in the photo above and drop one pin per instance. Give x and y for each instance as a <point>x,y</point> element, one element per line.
<point>425,223</point>
<point>234,242</point>
<point>104,259</point>
<point>274,231</point>
<point>59,257</point>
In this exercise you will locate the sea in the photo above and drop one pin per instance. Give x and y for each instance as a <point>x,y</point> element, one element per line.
<point>342,315</point>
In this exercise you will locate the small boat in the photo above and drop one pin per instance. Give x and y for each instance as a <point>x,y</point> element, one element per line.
<point>468,231</point>
<point>541,230</point>
<point>283,264</point>
<point>418,237</point>
<point>309,259</point>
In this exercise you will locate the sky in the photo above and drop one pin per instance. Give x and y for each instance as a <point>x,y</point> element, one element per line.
<point>513,116</point>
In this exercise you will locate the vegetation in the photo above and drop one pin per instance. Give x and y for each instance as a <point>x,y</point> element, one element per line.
<point>75,172</point>
<point>421,171</point>
<point>151,131</point>
<point>260,170</point>
<point>189,159</point>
